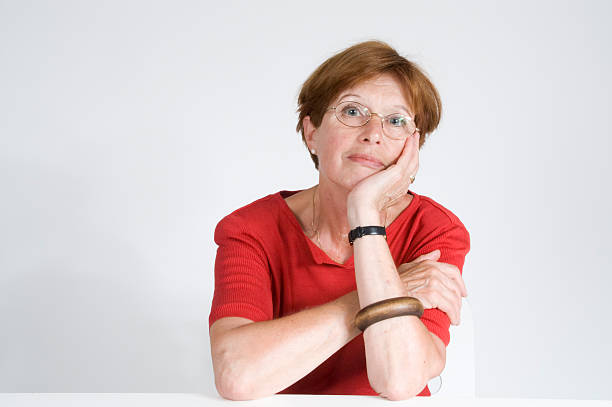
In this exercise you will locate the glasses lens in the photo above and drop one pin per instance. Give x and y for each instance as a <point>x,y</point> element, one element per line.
<point>352,114</point>
<point>398,126</point>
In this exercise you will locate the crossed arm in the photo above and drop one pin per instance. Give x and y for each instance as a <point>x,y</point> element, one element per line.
<point>258,359</point>
<point>401,354</point>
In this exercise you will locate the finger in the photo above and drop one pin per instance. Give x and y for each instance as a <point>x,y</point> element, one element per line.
<point>412,165</point>
<point>450,270</point>
<point>451,285</point>
<point>446,301</point>
<point>434,277</point>
<point>406,267</point>
<point>419,269</point>
<point>408,161</point>
<point>406,154</point>
<point>438,271</point>
<point>453,272</point>
<point>424,296</point>
<point>428,282</point>
<point>432,295</point>
<point>409,152</point>
<point>415,285</point>
<point>433,255</point>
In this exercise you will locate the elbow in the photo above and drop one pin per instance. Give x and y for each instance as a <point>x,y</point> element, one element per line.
<point>439,362</point>
<point>402,383</point>
<point>400,391</point>
<point>232,386</point>
<point>231,378</point>
<point>399,388</point>
<point>231,389</point>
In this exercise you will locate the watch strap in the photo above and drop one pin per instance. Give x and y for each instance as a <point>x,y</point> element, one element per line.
<point>361,231</point>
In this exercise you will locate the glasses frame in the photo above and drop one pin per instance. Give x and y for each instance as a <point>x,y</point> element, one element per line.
<point>370,114</point>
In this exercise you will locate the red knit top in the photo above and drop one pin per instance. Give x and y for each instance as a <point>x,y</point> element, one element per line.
<point>266,268</point>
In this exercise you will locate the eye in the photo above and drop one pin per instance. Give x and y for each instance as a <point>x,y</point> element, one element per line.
<point>352,111</point>
<point>397,120</point>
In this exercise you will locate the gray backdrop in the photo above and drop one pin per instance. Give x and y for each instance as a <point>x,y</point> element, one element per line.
<point>130,128</point>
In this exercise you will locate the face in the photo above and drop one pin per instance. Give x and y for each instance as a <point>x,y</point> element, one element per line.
<point>349,154</point>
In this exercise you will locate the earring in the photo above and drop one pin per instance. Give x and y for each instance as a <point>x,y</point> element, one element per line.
<point>312,151</point>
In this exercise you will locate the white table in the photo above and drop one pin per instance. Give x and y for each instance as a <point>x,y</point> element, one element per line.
<point>203,400</point>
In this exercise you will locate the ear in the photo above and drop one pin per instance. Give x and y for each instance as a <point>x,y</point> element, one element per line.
<point>310,133</point>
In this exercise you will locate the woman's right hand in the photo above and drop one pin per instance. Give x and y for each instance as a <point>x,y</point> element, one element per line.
<point>435,284</point>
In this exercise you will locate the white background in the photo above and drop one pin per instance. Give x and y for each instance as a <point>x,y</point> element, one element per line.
<point>128,129</point>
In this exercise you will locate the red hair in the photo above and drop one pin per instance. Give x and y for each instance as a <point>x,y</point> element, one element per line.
<point>361,62</point>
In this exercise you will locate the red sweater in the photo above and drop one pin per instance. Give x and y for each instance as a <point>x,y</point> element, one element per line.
<point>267,268</point>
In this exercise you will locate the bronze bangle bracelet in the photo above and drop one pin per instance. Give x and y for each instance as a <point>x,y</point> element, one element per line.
<point>389,308</point>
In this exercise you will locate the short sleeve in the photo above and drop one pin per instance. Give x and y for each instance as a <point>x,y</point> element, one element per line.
<point>242,274</point>
<point>453,241</point>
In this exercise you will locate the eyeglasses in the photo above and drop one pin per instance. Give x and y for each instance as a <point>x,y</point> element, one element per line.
<point>396,125</point>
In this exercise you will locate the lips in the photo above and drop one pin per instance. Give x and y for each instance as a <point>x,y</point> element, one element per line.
<point>366,160</point>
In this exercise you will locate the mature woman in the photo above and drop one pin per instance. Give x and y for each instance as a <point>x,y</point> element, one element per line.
<point>294,268</point>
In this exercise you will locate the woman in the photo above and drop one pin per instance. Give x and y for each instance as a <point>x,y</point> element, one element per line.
<point>288,283</point>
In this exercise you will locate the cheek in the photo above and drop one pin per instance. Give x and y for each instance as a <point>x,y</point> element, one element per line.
<point>393,150</point>
<point>396,151</point>
<point>332,151</point>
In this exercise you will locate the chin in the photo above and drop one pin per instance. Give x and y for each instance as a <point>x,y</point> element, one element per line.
<point>348,181</point>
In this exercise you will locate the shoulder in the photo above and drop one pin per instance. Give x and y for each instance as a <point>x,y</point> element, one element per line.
<point>430,220</point>
<point>433,226</point>
<point>254,218</point>
<point>431,211</point>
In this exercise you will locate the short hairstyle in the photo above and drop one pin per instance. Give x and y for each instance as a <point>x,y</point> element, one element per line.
<point>359,63</point>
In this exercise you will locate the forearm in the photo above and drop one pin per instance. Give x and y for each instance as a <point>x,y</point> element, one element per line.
<point>400,353</point>
<point>260,359</point>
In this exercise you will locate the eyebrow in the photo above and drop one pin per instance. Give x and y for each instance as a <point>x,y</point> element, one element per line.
<point>398,106</point>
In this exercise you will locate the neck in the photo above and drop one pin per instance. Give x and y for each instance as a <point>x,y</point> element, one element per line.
<point>330,213</point>
<point>330,217</point>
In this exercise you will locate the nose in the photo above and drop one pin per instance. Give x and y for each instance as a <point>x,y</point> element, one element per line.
<point>372,131</point>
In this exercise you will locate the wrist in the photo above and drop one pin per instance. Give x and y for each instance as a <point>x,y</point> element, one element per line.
<point>349,306</point>
<point>364,217</point>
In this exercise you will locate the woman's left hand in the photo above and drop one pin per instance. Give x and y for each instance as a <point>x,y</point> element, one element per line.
<point>434,283</point>
<point>380,190</point>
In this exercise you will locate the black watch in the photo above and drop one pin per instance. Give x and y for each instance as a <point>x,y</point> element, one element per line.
<point>361,231</point>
